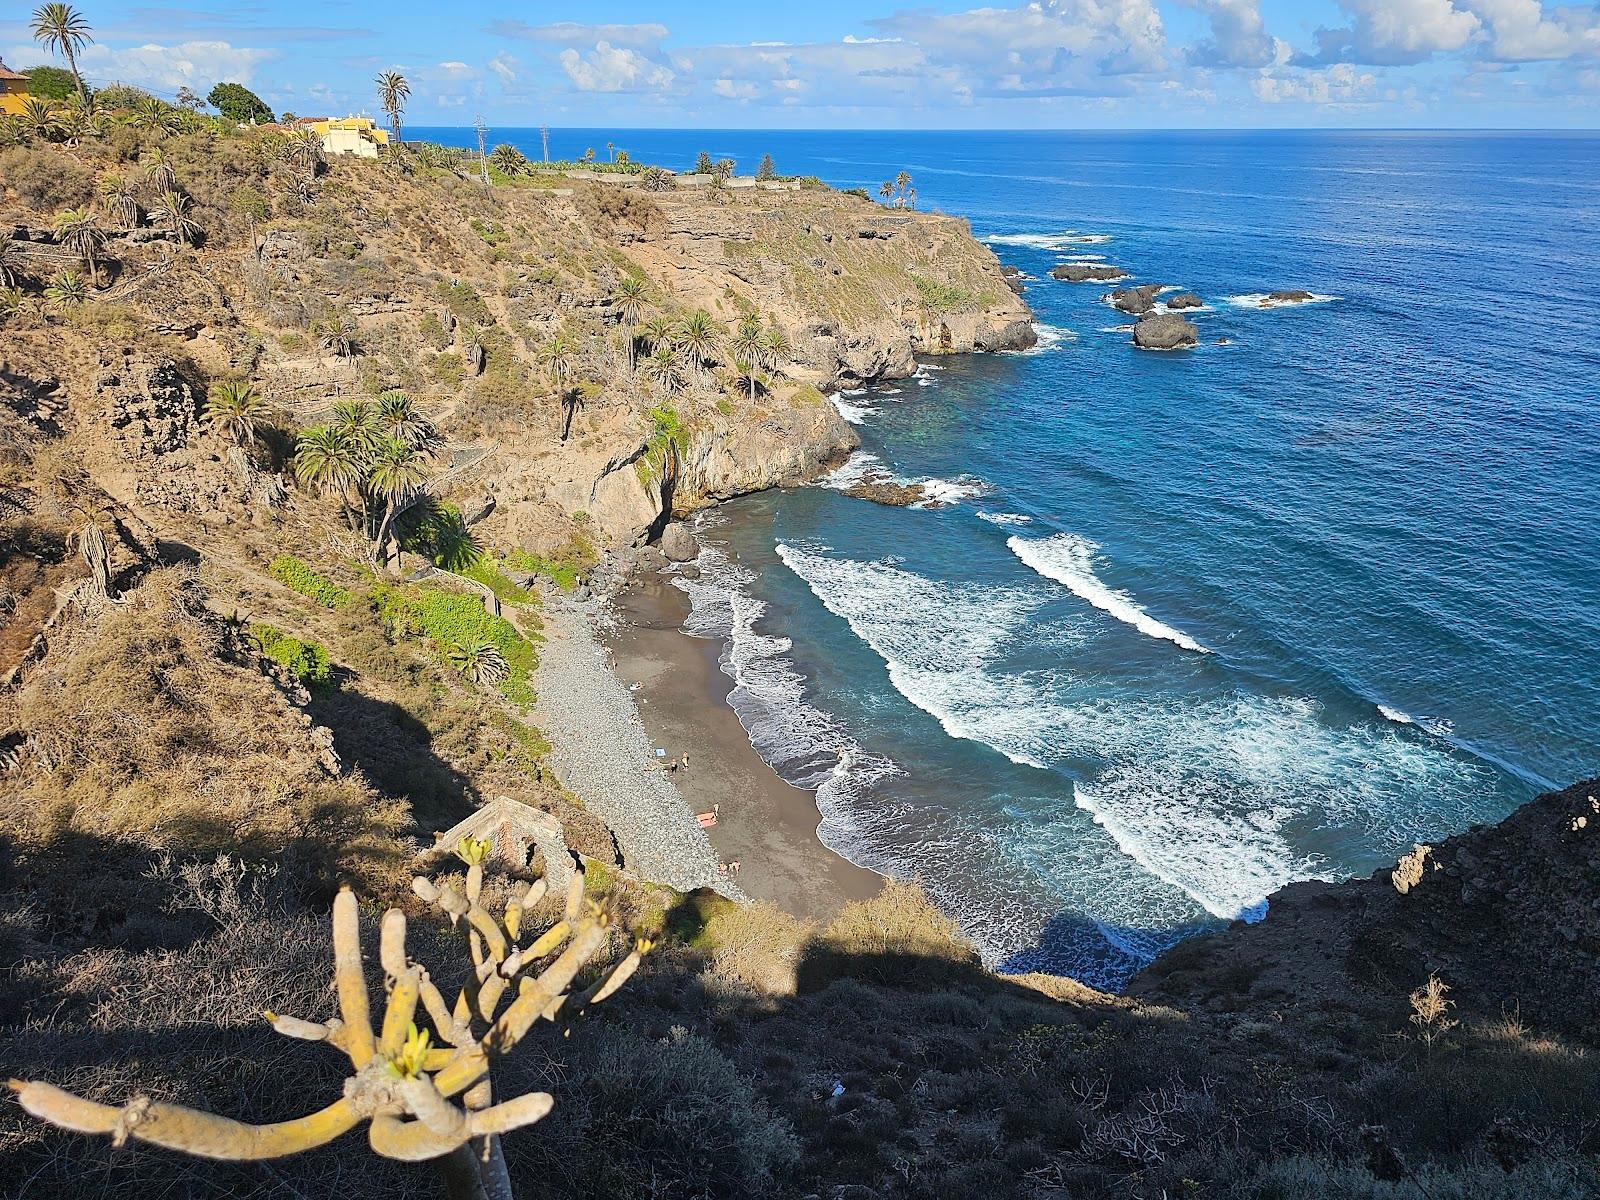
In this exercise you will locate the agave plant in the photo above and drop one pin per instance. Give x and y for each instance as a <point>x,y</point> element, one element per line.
<point>153,115</point>
<point>14,302</point>
<point>479,660</point>
<point>66,290</point>
<point>173,210</point>
<point>233,410</point>
<point>159,177</point>
<point>474,344</point>
<point>10,262</point>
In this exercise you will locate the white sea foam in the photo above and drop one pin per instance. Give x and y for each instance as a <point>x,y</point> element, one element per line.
<point>1214,797</point>
<point>1051,337</point>
<point>856,414</point>
<point>1069,560</point>
<point>802,743</point>
<point>861,465</point>
<point>1004,518</point>
<point>1260,300</point>
<point>1115,329</point>
<point>952,491</point>
<point>1047,241</point>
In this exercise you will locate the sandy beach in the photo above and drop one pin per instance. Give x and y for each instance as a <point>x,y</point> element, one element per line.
<point>767,825</point>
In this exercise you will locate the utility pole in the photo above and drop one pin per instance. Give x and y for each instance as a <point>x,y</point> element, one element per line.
<point>483,154</point>
<point>544,136</point>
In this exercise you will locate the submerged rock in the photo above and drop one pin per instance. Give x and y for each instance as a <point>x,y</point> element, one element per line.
<point>891,492</point>
<point>1135,300</point>
<point>1086,272</point>
<point>1289,296</point>
<point>1164,331</point>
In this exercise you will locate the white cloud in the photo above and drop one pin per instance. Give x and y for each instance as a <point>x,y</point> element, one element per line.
<point>644,36</point>
<point>1397,31</point>
<point>735,89</point>
<point>197,65</point>
<point>505,66</point>
<point>609,68</point>
<point>1338,85</point>
<point>1519,30</point>
<point>1239,37</point>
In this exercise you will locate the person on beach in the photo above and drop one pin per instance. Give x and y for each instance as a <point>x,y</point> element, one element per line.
<point>733,867</point>
<point>683,763</point>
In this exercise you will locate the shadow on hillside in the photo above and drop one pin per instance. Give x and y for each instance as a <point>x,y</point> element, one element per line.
<point>895,1067</point>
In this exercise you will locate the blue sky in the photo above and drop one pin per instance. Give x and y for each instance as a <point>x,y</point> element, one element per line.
<point>877,63</point>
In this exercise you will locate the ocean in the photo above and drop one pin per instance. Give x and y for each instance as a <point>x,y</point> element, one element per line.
<point>1192,625</point>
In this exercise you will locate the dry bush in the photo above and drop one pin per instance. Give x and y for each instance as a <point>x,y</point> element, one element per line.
<point>897,937</point>
<point>757,946</point>
<point>141,730</point>
<point>46,180</point>
<point>624,206</point>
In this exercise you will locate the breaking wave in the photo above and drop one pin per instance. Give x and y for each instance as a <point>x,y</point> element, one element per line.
<point>1047,241</point>
<point>1069,560</point>
<point>1261,300</point>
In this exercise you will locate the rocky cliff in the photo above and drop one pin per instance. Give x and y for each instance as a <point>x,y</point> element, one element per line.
<point>1507,916</point>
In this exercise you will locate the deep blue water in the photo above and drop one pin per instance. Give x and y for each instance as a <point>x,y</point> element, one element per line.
<point>1202,622</point>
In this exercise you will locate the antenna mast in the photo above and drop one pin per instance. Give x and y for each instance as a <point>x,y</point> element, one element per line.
<point>544,135</point>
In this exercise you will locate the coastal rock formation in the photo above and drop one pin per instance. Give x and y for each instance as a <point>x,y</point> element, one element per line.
<point>678,544</point>
<point>1164,331</point>
<point>1134,300</point>
<point>1288,296</point>
<point>1185,300</point>
<point>1084,272</point>
<point>892,492</point>
<point>1508,916</point>
<point>1013,278</point>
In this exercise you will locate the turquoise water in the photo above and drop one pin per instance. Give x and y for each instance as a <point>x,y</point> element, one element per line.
<point>1200,623</point>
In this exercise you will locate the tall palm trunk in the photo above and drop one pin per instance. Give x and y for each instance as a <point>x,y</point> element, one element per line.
<point>72,61</point>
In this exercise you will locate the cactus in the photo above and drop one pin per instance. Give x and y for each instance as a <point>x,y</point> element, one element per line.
<point>424,1092</point>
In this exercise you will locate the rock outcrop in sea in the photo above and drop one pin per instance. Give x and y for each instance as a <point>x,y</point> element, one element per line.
<point>1086,272</point>
<point>1134,300</point>
<point>1164,331</point>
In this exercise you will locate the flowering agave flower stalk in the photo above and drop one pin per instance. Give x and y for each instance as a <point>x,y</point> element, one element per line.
<point>423,1091</point>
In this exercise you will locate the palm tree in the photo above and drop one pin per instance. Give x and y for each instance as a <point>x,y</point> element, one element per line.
<point>664,369</point>
<point>559,361</point>
<point>395,471</point>
<point>779,349</point>
<point>628,300</point>
<point>911,197</point>
<point>611,149</point>
<point>749,346</point>
<point>886,189</point>
<point>159,176</point>
<point>507,159</point>
<point>121,199</point>
<point>479,660</point>
<point>397,416</point>
<point>78,229</point>
<point>901,182</point>
<point>66,290</point>
<point>232,409</point>
<point>62,27</point>
<point>173,208</point>
<point>698,341</point>
<point>303,150</point>
<point>328,461</point>
<point>393,92</point>
<point>336,333</point>
<point>154,115</point>
<point>39,117</point>
<point>660,333</point>
<point>357,422</point>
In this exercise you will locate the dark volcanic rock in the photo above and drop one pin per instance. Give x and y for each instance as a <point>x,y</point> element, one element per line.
<point>1164,331</point>
<point>1086,272</point>
<point>891,492</point>
<point>1289,296</point>
<point>1013,278</point>
<point>1185,300</point>
<point>1135,300</point>
<point>1508,915</point>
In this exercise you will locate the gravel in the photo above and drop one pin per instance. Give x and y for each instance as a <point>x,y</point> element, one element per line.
<point>602,753</point>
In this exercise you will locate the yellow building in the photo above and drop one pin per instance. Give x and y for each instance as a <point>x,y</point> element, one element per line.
<point>359,136</point>
<point>13,90</point>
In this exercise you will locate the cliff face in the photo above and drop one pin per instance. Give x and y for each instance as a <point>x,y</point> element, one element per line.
<point>420,271</point>
<point>1508,916</point>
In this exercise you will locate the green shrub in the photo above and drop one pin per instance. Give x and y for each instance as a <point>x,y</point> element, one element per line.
<point>463,300</point>
<point>293,573</point>
<point>565,567</point>
<point>308,662</point>
<point>485,571</point>
<point>941,297</point>
<point>449,618</point>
